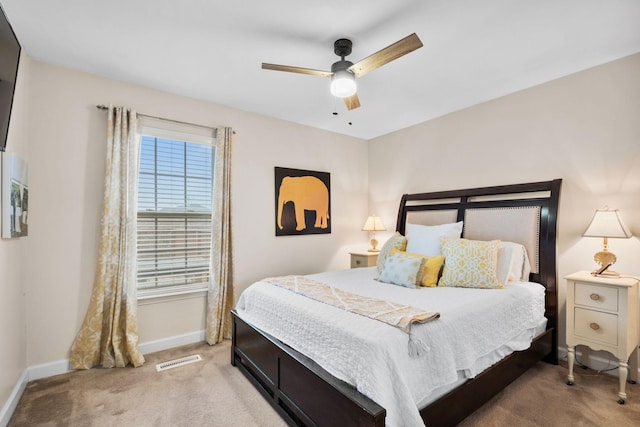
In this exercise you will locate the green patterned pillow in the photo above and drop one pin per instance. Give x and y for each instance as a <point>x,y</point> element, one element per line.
<point>470,263</point>
<point>401,270</point>
<point>397,241</point>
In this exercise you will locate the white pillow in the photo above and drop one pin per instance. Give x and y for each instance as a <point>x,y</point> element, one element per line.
<point>513,263</point>
<point>400,269</point>
<point>425,239</point>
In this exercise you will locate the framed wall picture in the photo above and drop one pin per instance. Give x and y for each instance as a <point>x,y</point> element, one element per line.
<point>15,197</point>
<point>303,202</point>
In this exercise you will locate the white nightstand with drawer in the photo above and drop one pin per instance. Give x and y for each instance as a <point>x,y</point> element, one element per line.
<point>363,259</point>
<point>602,313</point>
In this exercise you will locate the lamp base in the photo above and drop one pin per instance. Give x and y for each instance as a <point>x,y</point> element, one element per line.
<point>605,259</point>
<point>374,243</point>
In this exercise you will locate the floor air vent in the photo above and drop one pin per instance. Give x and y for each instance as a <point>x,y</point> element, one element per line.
<point>177,362</point>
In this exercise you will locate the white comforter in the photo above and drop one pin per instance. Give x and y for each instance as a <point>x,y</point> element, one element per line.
<point>474,326</point>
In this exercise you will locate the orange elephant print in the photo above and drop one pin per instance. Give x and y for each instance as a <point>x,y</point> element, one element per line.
<point>307,193</point>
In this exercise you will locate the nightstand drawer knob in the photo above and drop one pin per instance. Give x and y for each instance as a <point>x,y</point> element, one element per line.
<point>595,296</point>
<point>594,326</point>
<point>358,261</point>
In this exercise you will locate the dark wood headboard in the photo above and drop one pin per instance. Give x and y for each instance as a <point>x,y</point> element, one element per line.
<point>542,195</point>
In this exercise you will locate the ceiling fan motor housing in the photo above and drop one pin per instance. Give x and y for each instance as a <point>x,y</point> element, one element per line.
<point>342,47</point>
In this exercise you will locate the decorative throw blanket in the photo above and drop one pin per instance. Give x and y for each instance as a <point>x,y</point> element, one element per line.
<point>397,315</point>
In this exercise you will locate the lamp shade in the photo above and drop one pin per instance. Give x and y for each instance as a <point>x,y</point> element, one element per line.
<point>606,223</point>
<point>373,223</point>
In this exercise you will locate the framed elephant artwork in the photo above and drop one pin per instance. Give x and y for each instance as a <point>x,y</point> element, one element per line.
<point>303,202</point>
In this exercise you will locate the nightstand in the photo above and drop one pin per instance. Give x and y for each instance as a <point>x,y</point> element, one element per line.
<point>363,259</point>
<point>602,313</point>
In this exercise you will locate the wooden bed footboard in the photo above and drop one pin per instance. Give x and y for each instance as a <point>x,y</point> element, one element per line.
<point>302,392</point>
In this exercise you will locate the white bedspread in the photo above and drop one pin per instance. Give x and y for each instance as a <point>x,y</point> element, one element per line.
<point>373,356</point>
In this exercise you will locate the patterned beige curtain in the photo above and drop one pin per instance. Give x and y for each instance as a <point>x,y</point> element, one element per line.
<point>109,334</point>
<point>220,295</point>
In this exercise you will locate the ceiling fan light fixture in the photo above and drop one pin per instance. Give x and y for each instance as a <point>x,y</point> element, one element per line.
<point>343,81</point>
<point>343,84</point>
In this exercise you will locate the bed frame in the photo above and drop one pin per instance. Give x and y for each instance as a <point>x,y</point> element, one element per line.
<point>304,394</point>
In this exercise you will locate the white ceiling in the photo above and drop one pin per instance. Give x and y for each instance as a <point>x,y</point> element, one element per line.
<point>474,50</point>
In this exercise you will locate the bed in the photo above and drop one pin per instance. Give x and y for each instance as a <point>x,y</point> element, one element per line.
<point>308,390</point>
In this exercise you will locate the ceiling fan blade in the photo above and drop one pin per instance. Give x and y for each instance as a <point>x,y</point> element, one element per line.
<point>299,70</point>
<point>386,55</point>
<point>352,102</point>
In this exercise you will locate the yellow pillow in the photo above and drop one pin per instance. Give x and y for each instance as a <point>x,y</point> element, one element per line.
<point>430,269</point>
<point>470,263</point>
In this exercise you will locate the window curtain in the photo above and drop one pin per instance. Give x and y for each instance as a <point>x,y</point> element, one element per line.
<point>220,294</point>
<point>109,334</point>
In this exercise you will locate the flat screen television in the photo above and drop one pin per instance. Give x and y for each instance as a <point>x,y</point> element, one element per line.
<point>9,60</point>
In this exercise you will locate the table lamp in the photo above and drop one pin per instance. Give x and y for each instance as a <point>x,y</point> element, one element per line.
<point>606,223</point>
<point>373,224</point>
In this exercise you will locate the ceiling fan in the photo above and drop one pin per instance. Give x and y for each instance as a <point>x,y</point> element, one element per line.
<point>343,72</point>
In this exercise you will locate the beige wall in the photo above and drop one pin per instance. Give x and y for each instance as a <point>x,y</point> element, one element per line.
<point>584,128</point>
<point>67,147</point>
<point>13,329</point>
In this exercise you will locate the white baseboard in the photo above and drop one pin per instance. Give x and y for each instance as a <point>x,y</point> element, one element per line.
<point>6,411</point>
<point>171,342</point>
<point>62,366</point>
<point>49,369</point>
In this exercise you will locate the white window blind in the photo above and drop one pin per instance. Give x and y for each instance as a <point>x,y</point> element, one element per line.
<point>174,211</point>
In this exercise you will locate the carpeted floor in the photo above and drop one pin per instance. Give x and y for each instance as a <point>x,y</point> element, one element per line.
<point>206,393</point>
<point>213,393</point>
<point>540,397</point>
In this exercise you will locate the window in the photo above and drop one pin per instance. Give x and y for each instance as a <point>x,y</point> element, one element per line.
<point>175,180</point>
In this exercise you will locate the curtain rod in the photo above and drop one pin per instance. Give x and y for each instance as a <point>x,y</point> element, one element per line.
<point>105,108</point>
